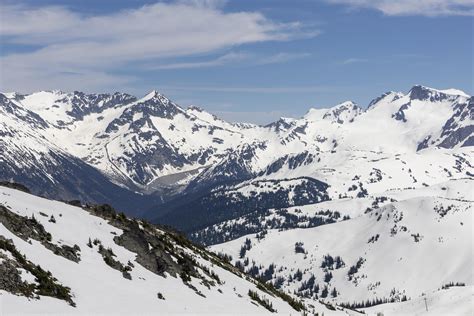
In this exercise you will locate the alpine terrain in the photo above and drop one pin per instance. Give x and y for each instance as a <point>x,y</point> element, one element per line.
<point>344,210</point>
<point>59,258</point>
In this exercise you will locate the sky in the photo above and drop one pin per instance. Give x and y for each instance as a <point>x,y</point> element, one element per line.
<point>244,60</point>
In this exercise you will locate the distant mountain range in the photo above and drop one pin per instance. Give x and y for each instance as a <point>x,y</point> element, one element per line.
<point>140,153</point>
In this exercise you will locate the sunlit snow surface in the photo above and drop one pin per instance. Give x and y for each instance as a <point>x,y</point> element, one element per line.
<point>142,140</point>
<point>440,217</point>
<point>99,289</point>
<point>401,147</point>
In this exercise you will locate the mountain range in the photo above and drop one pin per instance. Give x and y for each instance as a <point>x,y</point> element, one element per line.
<point>152,158</point>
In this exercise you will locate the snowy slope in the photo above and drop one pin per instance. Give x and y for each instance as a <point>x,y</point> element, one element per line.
<point>414,245</point>
<point>402,140</point>
<point>451,301</point>
<point>95,287</point>
<point>29,157</point>
<point>353,175</point>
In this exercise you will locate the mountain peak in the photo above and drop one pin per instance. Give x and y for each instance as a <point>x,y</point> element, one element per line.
<point>156,104</point>
<point>283,123</point>
<point>195,108</point>
<point>12,95</point>
<point>420,92</point>
<point>315,114</point>
<point>345,104</point>
<point>343,112</point>
<point>152,94</point>
<point>157,97</point>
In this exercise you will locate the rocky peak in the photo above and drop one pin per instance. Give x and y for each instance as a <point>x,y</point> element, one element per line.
<point>84,104</point>
<point>422,93</point>
<point>282,124</point>
<point>343,112</point>
<point>156,104</point>
<point>10,108</point>
<point>195,108</point>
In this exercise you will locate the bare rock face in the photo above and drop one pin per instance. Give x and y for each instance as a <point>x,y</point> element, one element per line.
<point>10,276</point>
<point>30,228</point>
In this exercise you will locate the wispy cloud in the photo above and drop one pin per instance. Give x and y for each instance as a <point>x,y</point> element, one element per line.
<point>219,61</point>
<point>281,58</point>
<point>96,46</point>
<point>350,61</point>
<point>234,58</point>
<point>414,7</point>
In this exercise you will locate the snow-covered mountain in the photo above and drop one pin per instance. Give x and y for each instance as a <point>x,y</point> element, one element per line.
<point>30,156</point>
<point>57,258</point>
<point>149,150</point>
<point>415,242</point>
<point>400,141</point>
<point>368,204</point>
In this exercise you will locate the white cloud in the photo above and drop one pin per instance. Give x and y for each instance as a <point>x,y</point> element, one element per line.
<point>96,46</point>
<point>235,58</point>
<point>414,7</point>
<point>219,61</point>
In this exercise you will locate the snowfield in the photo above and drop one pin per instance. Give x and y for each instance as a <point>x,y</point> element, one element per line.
<point>452,301</point>
<point>96,288</point>
<point>415,245</point>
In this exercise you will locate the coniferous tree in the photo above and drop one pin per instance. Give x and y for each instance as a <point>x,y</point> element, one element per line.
<point>324,292</point>
<point>298,275</point>
<point>243,250</point>
<point>327,277</point>
<point>316,288</point>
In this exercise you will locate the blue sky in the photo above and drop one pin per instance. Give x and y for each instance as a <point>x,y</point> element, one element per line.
<point>243,60</point>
